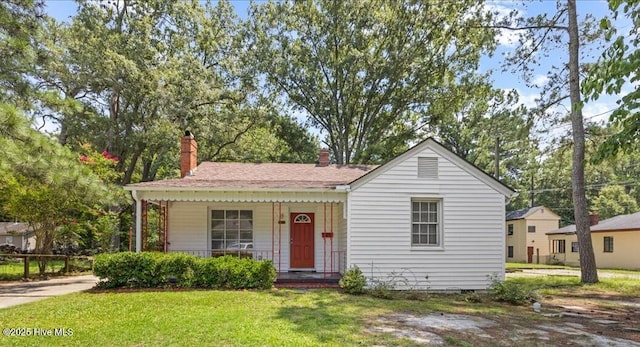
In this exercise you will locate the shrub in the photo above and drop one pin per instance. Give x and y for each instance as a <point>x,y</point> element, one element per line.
<point>511,293</point>
<point>145,270</point>
<point>382,290</point>
<point>353,281</point>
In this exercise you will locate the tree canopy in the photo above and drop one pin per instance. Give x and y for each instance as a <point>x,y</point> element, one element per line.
<point>369,74</point>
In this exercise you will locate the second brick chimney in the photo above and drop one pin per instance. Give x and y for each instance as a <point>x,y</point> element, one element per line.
<point>188,154</point>
<point>323,157</point>
<point>593,218</point>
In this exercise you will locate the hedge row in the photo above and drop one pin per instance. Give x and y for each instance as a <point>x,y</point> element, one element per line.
<point>149,270</point>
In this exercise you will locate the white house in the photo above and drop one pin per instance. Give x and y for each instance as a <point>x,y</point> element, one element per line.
<point>19,235</point>
<point>426,219</point>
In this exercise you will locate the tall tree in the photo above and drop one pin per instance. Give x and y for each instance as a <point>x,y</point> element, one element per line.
<point>539,34</point>
<point>45,184</point>
<point>368,72</point>
<point>589,273</point>
<point>19,24</point>
<point>130,76</point>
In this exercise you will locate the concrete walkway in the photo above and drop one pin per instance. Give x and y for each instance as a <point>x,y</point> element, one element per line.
<point>570,272</point>
<point>18,293</point>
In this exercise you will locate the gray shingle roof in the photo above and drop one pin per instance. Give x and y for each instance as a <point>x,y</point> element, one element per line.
<point>617,223</point>
<point>521,213</point>
<point>13,227</point>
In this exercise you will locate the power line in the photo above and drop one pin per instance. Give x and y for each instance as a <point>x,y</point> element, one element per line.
<point>599,185</point>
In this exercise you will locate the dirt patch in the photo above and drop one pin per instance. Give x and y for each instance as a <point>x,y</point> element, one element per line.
<point>553,327</point>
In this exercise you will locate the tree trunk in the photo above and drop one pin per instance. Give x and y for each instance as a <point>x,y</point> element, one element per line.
<point>587,258</point>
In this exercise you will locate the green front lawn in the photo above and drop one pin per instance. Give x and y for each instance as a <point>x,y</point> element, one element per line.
<point>223,318</point>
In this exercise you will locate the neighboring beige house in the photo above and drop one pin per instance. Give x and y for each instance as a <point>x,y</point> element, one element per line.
<point>17,234</point>
<point>526,234</point>
<point>615,243</point>
<point>425,219</point>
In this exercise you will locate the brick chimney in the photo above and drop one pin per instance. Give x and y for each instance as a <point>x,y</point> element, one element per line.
<point>323,157</point>
<point>188,154</point>
<point>593,218</point>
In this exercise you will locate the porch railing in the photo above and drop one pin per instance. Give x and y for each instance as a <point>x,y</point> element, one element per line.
<point>257,254</point>
<point>336,262</point>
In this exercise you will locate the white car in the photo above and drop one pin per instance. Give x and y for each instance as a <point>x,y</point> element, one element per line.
<point>241,245</point>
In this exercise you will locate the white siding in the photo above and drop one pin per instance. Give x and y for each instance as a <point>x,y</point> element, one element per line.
<point>189,229</point>
<point>472,221</point>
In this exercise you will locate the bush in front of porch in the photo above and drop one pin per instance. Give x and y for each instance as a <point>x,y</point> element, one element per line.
<point>153,270</point>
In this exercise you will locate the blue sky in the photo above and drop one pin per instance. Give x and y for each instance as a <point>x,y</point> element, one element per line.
<point>595,111</point>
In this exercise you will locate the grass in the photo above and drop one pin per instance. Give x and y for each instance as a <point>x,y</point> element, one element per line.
<point>15,270</point>
<point>570,285</point>
<point>266,318</point>
<point>520,266</point>
<point>224,318</point>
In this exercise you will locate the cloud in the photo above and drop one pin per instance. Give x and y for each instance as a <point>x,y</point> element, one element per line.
<point>507,38</point>
<point>598,111</point>
<point>540,80</point>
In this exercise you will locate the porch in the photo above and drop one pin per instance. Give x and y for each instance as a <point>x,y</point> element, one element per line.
<point>302,237</point>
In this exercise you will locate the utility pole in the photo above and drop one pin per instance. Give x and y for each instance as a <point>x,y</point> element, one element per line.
<point>497,159</point>
<point>531,190</point>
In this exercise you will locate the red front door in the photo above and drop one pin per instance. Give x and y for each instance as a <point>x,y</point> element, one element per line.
<point>302,240</point>
<point>529,255</point>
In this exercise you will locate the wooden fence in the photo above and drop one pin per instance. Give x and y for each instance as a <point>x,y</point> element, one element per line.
<point>16,266</point>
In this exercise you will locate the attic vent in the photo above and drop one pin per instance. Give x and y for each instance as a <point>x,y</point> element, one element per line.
<point>427,167</point>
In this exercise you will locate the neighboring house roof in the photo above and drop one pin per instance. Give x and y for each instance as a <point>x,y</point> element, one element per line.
<point>13,228</point>
<point>212,175</point>
<point>618,223</point>
<point>526,212</point>
<point>569,229</point>
<point>264,175</point>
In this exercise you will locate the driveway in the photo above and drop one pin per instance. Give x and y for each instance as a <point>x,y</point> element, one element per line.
<point>18,293</point>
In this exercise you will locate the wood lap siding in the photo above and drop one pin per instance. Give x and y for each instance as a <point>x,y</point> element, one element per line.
<point>473,227</point>
<point>188,226</point>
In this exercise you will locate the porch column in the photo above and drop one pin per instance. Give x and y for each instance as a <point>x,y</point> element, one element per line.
<point>138,224</point>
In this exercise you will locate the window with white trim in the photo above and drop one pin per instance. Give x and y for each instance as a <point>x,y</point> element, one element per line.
<point>9,239</point>
<point>426,226</point>
<point>558,246</point>
<point>231,229</point>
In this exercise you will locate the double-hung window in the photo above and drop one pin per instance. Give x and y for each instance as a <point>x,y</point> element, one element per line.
<point>608,244</point>
<point>426,224</point>
<point>231,229</point>
<point>558,246</point>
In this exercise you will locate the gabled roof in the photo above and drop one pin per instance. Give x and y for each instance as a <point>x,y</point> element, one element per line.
<point>265,175</point>
<point>8,228</point>
<point>624,222</point>
<point>216,175</point>
<point>444,152</point>
<point>526,212</point>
